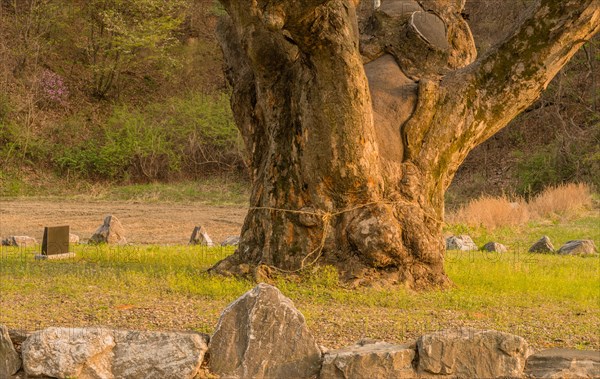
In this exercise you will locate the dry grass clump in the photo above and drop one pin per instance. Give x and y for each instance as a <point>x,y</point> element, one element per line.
<point>566,200</point>
<point>492,212</point>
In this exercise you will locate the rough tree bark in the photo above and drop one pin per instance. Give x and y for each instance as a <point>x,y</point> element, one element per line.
<point>355,125</point>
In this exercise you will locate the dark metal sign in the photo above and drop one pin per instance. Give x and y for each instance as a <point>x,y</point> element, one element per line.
<point>56,240</point>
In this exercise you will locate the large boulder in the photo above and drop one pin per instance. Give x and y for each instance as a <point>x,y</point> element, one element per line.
<point>19,241</point>
<point>543,246</point>
<point>371,360</point>
<point>10,361</point>
<point>579,247</point>
<point>462,242</point>
<point>158,355</point>
<point>69,352</point>
<point>563,364</point>
<point>111,231</point>
<point>262,335</point>
<point>470,353</point>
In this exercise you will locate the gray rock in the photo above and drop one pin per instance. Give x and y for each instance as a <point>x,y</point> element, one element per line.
<point>110,232</point>
<point>73,238</point>
<point>200,237</point>
<point>579,247</point>
<point>262,335</point>
<point>470,353</point>
<point>563,363</point>
<point>495,247</point>
<point>462,242</point>
<point>108,354</point>
<point>371,360</point>
<point>19,241</point>
<point>69,352</point>
<point>542,246</point>
<point>158,355</point>
<point>10,361</point>
<point>231,241</point>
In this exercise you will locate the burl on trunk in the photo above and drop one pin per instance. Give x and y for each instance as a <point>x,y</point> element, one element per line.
<point>355,124</point>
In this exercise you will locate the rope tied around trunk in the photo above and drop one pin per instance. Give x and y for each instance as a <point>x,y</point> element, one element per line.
<point>326,218</point>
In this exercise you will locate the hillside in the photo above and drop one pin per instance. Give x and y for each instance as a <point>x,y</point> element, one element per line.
<point>110,91</point>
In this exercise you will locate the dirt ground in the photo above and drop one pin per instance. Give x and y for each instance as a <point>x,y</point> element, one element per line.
<point>144,223</point>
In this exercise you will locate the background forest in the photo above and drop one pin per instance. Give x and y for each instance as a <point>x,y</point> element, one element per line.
<point>123,92</point>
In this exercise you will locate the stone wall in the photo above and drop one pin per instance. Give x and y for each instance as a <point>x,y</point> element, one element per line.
<point>262,335</point>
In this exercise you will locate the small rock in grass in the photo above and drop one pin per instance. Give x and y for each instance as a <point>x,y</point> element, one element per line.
<point>579,247</point>
<point>462,243</point>
<point>542,246</point>
<point>495,247</point>
<point>19,241</point>
<point>110,232</point>
<point>231,241</point>
<point>200,237</point>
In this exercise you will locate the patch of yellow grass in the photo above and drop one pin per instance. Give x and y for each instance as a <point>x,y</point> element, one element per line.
<point>492,212</point>
<point>567,200</point>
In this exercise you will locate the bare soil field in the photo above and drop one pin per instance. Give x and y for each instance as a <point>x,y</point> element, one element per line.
<point>144,223</point>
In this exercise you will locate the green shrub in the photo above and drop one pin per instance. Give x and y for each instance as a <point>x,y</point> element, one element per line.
<point>190,136</point>
<point>128,36</point>
<point>5,108</point>
<point>7,140</point>
<point>535,172</point>
<point>20,146</point>
<point>559,163</point>
<point>202,130</point>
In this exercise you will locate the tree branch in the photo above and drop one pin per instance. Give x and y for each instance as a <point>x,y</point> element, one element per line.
<point>512,76</point>
<point>486,95</point>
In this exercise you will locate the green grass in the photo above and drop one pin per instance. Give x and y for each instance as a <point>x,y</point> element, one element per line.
<point>157,269</point>
<point>223,190</point>
<point>550,300</point>
<point>519,239</point>
<point>214,191</point>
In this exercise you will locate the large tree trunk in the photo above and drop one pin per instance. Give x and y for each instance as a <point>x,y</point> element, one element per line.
<point>354,133</point>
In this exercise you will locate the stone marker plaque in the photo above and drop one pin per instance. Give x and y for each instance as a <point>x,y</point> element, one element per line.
<point>56,240</point>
